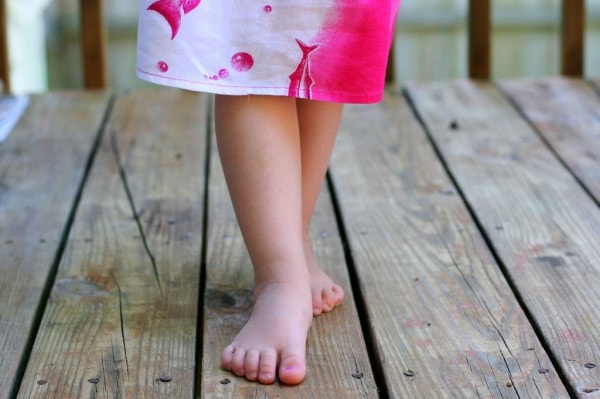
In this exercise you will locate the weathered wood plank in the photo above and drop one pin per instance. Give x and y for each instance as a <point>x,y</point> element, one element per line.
<point>337,361</point>
<point>565,112</point>
<point>445,321</point>
<point>544,227</point>
<point>42,164</point>
<point>121,319</point>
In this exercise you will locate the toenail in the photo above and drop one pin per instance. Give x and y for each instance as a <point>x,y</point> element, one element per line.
<point>290,368</point>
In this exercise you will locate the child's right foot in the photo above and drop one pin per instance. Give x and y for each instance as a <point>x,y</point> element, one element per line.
<point>272,344</point>
<point>326,294</point>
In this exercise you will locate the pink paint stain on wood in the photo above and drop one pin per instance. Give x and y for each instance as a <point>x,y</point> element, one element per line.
<point>412,324</point>
<point>471,352</point>
<point>573,335</point>
<point>423,342</point>
<point>521,262</point>
<point>537,248</point>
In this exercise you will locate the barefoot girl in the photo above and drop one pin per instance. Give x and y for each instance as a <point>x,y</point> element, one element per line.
<point>281,70</point>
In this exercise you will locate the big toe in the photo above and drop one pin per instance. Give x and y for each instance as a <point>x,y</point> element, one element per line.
<point>292,368</point>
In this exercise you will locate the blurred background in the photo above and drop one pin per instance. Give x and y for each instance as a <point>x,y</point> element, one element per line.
<point>430,41</point>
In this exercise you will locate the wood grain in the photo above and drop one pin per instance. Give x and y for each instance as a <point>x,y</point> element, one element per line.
<point>573,37</point>
<point>544,227</point>
<point>42,165</point>
<point>480,32</point>
<point>565,112</point>
<point>121,319</point>
<point>93,43</point>
<point>444,320</point>
<point>337,361</point>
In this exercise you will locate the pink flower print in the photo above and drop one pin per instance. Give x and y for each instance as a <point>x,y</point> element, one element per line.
<point>301,76</point>
<point>171,11</point>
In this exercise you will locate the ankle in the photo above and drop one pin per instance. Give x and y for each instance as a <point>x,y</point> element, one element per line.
<point>282,276</point>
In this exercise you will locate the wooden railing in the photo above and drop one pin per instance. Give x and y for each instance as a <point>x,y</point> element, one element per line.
<point>93,44</point>
<point>480,33</point>
<point>93,41</point>
<point>480,36</point>
<point>572,38</point>
<point>4,66</point>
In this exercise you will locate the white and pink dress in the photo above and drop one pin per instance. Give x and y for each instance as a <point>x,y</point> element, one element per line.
<point>329,50</point>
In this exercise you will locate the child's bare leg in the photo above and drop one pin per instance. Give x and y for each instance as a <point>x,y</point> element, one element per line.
<point>319,123</point>
<point>259,144</point>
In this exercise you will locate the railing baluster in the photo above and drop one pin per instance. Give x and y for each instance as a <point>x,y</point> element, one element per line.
<point>390,72</point>
<point>573,27</point>
<point>93,44</point>
<point>480,26</point>
<point>4,59</point>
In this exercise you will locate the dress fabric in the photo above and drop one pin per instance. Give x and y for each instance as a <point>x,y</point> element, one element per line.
<point>328,50</point>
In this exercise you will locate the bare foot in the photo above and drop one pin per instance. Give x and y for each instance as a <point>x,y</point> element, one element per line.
<point>326,294</point>
<point>273,341</point>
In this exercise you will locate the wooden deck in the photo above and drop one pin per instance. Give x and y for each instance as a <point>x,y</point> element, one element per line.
<point>462,219</point>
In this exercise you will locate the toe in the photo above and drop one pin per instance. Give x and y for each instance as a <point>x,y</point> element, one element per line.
<point>317,302</point>
<point>329,299</point>
<point>239,362</point>
<point>227,357</point>
<point>292,368</point>
<point>251,365</point>
<point>267,366</point>
<point>339,294</point>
